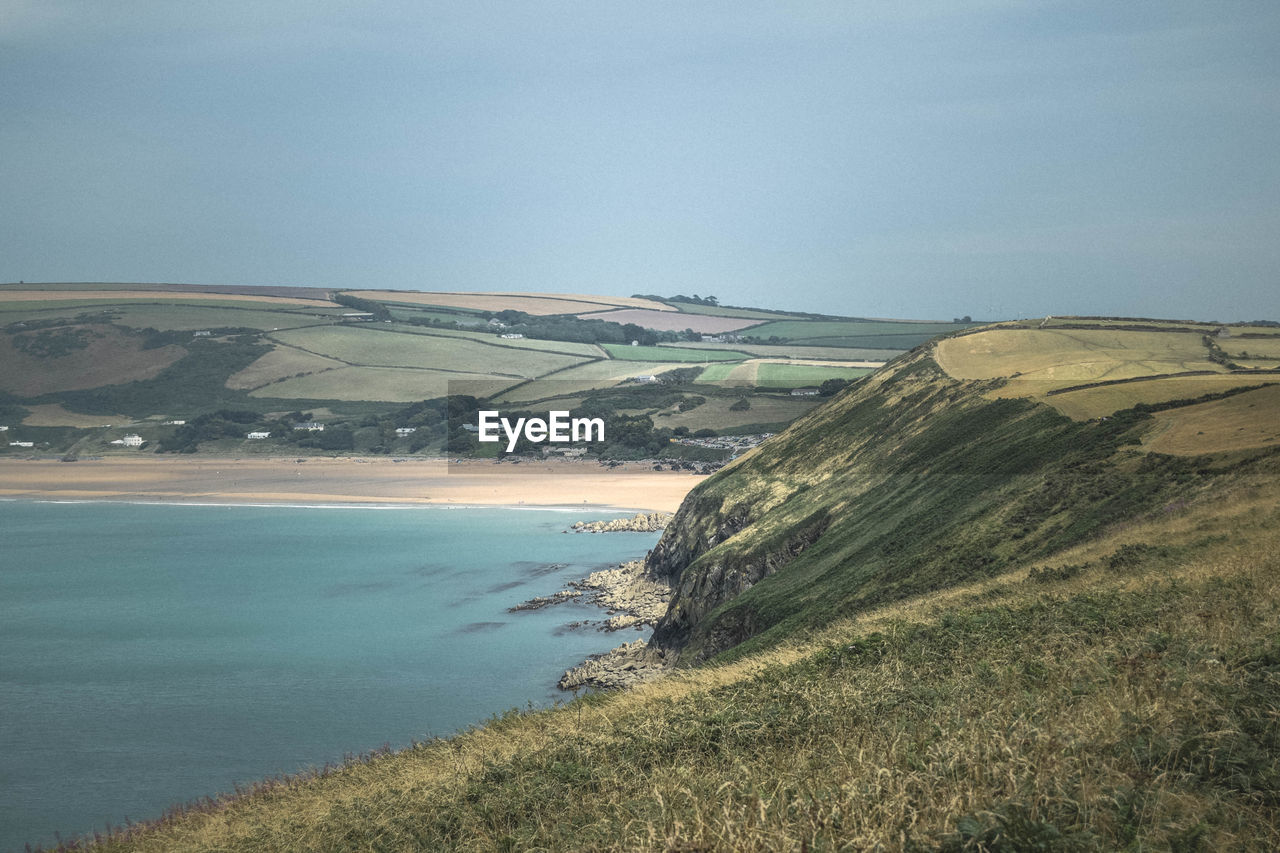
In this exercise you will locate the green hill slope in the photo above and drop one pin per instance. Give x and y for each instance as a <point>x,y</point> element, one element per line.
<point>923,617</point>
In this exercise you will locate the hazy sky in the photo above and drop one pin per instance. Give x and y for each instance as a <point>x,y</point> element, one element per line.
<point>901,159</point>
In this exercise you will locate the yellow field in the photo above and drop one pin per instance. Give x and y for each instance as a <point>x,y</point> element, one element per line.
<point>1089,403</point>
<point>382,384</point>
<point>1071,356</point>
<point>151,296</point>
<point>537,304</point>
<point>1245,421</point>
<point>281,363</point>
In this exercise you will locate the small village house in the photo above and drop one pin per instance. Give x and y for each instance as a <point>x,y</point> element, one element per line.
<point>258,436</point>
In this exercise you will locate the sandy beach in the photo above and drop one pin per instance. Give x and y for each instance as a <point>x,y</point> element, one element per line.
<point>320,480</point>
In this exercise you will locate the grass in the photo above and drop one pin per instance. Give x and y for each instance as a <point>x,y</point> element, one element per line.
<point>110,357</point>
<point>1128,705</point>
<point>1056,357</point>
<point>797,352</point>
<point>671,321</point>
<point>372,347</point>
<point>585,377</point>
<point>282,362</point>
<point>384,384</point>
<point>772,375</point>
<point>670,353</point>
<point>716,414</point>
<point>818,329</point>
<point>1105,400</point>
<point>1242,421</point>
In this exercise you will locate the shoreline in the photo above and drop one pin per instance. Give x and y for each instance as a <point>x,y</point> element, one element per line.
<point>358,482</point>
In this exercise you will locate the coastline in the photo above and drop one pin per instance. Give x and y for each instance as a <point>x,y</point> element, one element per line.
<point>362,481</point>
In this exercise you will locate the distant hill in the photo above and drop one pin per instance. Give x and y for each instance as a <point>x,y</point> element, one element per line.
<point>137,356</point>
<point>956,607</point>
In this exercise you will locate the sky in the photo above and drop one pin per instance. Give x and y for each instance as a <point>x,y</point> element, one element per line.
<point>887,159</point>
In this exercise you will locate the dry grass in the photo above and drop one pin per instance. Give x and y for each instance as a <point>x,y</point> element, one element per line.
<point>1241,422</point>
<point>1088,403</point>
<point>1119,704</point>
<point>1072,356</point>
<point>281,363</point>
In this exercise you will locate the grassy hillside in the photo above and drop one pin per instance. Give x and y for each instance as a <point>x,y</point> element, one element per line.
<point>925,617</point>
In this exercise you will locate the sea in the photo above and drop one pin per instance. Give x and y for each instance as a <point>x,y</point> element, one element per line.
<point>153,654</point>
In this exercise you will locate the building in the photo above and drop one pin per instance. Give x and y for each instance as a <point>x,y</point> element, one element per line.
<point>497,324</point>
<point>258,436</point>
<point>22,444</point>
<point>310,426</point>
<point>132,440</point>
<point>644,380</point>
<point>203,333</point>
<point>357,317</point>
<point>804,392</point>
<point>406,430</point>
<point>512,336</point>
<point>174,423</point>
<point>4,429</point>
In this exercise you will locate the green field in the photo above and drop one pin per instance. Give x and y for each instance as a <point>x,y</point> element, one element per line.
<point>797,351</point>
<point>383,384</point>
<point>372,347</point>
<point>281,363</point>
<point>894,333</point>
<point>586,377</point>
<point>670,353</point>
<point>794,375</point>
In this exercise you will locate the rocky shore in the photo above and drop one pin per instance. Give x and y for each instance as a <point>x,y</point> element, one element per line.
<point>632,599</point>
<point>644,522</point>
<point>627,665</point>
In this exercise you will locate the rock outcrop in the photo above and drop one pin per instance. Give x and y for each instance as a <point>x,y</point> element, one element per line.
<point>627,665</point>
<point>644,522</point>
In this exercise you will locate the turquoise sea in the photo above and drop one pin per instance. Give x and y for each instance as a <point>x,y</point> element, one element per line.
<point>153,654</point>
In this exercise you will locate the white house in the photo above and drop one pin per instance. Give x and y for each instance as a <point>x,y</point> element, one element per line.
<point>22,444</point>
<point>644,380</point>
<point>174,423</point>
<point>406,430</point>
<point>256,436</point>
<point>132,440</point>
<point>804,392</point>
<point>310,426</point>
<point>512,336</point>
<point>4,429</point>
<point>203,333</point>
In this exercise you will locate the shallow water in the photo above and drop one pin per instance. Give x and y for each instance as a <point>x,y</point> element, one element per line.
<point>152,654</point>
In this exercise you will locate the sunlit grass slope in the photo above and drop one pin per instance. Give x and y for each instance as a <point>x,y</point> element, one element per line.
<point>1122,695</point>
<point>919,619</point>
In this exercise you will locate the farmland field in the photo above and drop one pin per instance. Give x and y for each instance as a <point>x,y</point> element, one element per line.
<point>537,304</point>
<point>796,351</point>
<point>281,363</point>
<point>1071,356</point>
<point>111,357</point>
<point>585,377</point>
<point>774,375</point>
<point>898,334</point>
<point>717,311</point>
<point>192,317</point>
<point>382,384</point>
<point>370,347</point>
<point>715,413</point>
<point>1233,423</point>
<point>1099,402</point>
<point>671,321</point>
<point>672,353</point>
<point>492,339</point>
<point>7,295</point>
